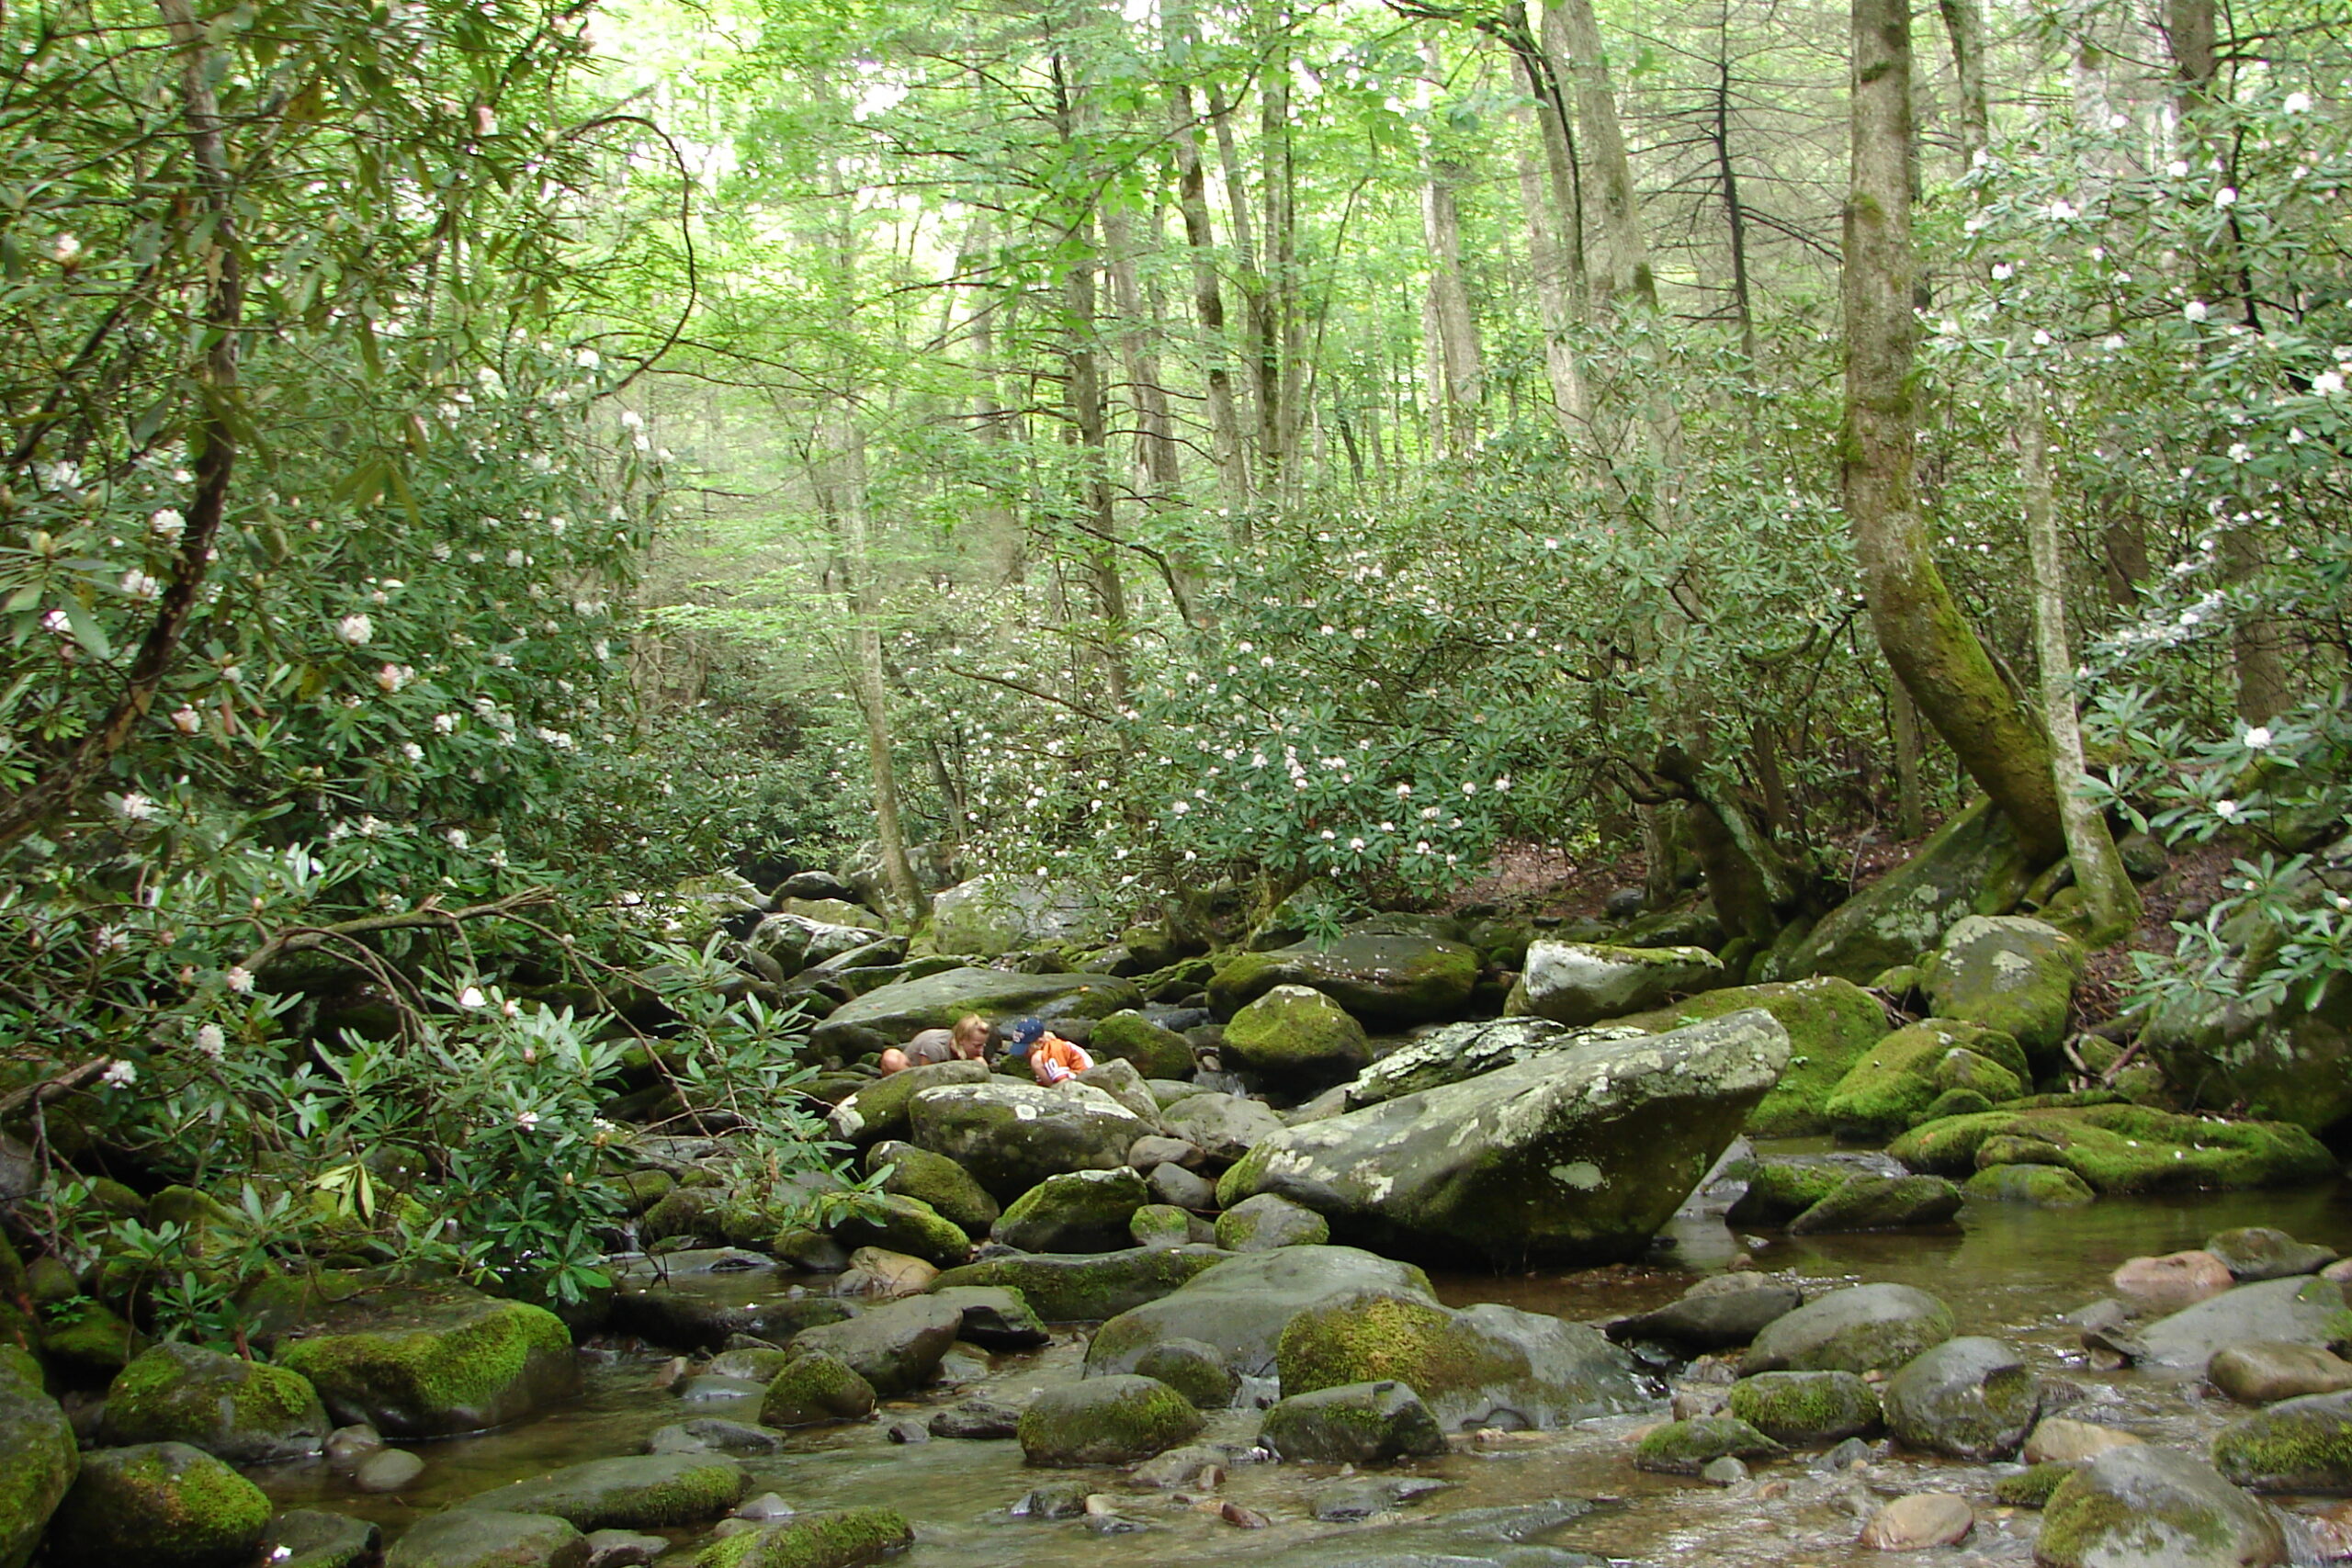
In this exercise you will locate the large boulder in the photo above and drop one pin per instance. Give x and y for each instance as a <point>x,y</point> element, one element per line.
<point>1483,1366</point>
<point>2260,1252</point>
<point>797,940</point>
<point>1968,1398</point>
<point>1861,1330</point>
<point>833,1538</point>
<point>1224,1127</point>
<point>641,1492</point>
<point>2140,1504</point>
<point>1972,866</point>
<point>934,1179</point>
<point>1242,1305</point>
<point>1880,1203</point>
<point>1011,1135</point>
<point>1157,1052</point>
<point>1576,1155</point>
<point>2297,1444</point>
<point>896,1013</point>
<point>879,1110</point>
<point>1360,1423</point>
<point>1001,912</point>
<point>1806,1409</point>
<point>37,1456</point>
<point>1080,1211</point>
<point>1106,1420</point>
<point>2289,1312</point>
<point>1580,982</point>
<point>814,1387</point>
<point>1297,1035</point>
<point>1088,1287</point>
<point>908,1226</point>
<point>483,1538</point>
<point>160,1505</point>
<point>2009,973</point>
<point>1389,979</point>
<point>1891,1086</point>
<point>897,1347</point>
<point>434,1363</point>
<point>1830,1022</point>
<point>2263,1372</point>
<point>2120,1148</point>
<point>244,1412</point>
<point>1460,1051</point>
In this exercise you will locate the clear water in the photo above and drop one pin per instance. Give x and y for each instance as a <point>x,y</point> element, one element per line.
<point>2006,1270</point>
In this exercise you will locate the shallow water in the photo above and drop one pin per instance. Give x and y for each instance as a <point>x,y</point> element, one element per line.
<point>2005,1269</point>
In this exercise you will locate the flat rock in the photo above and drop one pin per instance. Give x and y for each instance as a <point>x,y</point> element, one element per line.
<point>2295,1311</point>
<point>2056,1440</point>
<point>1242,1305</point>
<point>2258,1252</point>
<point>1088,1287</point>
<point>2260,1372</point>
<point>896,1348</point>
<point>638,1492</point>
<point>1718,1313</point>
<point>1918,1521</point>
<point>1863,1328</point>
<point>1009,1136</point>
<point>2155,1287</point>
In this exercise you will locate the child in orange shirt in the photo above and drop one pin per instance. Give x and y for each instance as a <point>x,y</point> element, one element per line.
<point>1051,1058</point>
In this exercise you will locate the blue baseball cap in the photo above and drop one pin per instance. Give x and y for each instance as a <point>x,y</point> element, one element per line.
<point>1022,1033</point>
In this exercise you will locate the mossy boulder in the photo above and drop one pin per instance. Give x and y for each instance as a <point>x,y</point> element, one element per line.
<point>1781,1187</point>
<point>1459,1051</point>
<point>2032,1486</point>
<point>1972,866</point>
<point>1483,1366</point>
<point>1880,1203</point>
<point>39,1457</point>
<point>480,1537</point>
<point>1861,1330</point>
<point>894,1014</point>
<point>903,1225</point>
<point>897,1347</point>
<point>310,1537</point>
<point>2253,1253</point>
<point>160,1505</point>
<point>996,1317</point>
<point>1129,1036</point>
<point>1685,1448</point>
<point>1088,1287</point>
<point>1359,1423</point>
<point>1578,982</point>
<point>2011,974</point>
<point>934,1179</point>
<point>878,1109</point>
<point>1080,1211</point>
<point>1894,1082</point>
<point>1003,912</point>
<point>1010,1136</point>
<point>1159,1224</point>
<point>638,1491</point>
<point>1807,1409</point>
<point>1117,1419</point>
<point>1295,1035</point>
<point>1243,1303</point>
<point>1261,1223</point>
<point>2124,1148</point>
<point>2038,1186</point>
<point>2296,1445</point>
<point>816,1387</point>
<point>1389,979</point>
<point>837,1538</point>
<point>1967,1398</point>
<point>1830,1022</point>
<point>2285,1312</point>
<point>433,1363</point>
<point>86,1343</point>
<point>2148,1505</point>
<point>1194,1369</point>
<point>244,1412</point>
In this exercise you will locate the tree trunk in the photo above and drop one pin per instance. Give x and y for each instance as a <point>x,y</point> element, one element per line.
<point>873,695</point>
<point>2108,894</point>
<point>1227,447</point>
<point>1964,27</point>
<point>1734,215</point>
<point>1571,35</point>
<point>1462,376</point>
<point>1931,645</point>
<point>1910,803</point>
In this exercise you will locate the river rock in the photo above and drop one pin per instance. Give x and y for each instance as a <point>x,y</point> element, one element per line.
<point>878,1111</point>
<point>934,1179</point>
<point>796,940</point>
<point>1719,1312</point>
<point>2007,973</point>
<point>1353,1499</point>
<point>624,1549</point>
<point>1685,1448</point>
<point>1156,1051</point>
<point>1863,1328</point>
<point>2056,1440</point>
<point>751,1363</point>
<point>908,1226</point>
<point>2257,1252</point>
<point>2144,1504</point>
<point>836,1538</point>
<point>981,1420</point>
<point>39,1457</point>
<point>1830,1023</point>
<point>1105,1420</point>
<point>1880,1203</point>
<point>1296,1036</point>
<point>1478,1367</point>
<point>1266,1222</point>
<point>2297,1311</point>
<point>2153,1287</point>
<point>478,1538</point>
<point>1242,1305</point>
<point>159,1506</point>
<point>1781,1187</point>
<point>1002,912</point>
<point>702,1313</point>
<point>1162,1225</point>
<point>2258,1373</point>
<point>896,1013</point>
<point>1460,1051</point>
<point>1969,1398</point>
<point>1122,1083</point>
<point>1360,1423</point>
<point>1970,865</point>
<point>244,1412</point>
<point>1389,979</point>
<point>308,1538</point>
<point>434,1362</point>
<point>1807,1410</point>
<point>996,1317</point>
<point>816,1387</point>
<point>1153,1150</point>
<point>1193,1367</point>
<point>2124,1148</point>
<point>878,1271</point>
<point>388,1470</point>
<point>711,1435</point>
<point>1578,983</point>
<point>1581,1153</point>
<point>1892,1085</point>
<point>2297,1444</point>
<point>1179,1189</point>
<point>2036,1185</point>
<point>1223,1127</point>
<point>896,1348</point>
<point>1080,1211</point>
<point>636,1491</point>
<point>1918,1521</point>
<point>1010,1136</point>
<point>1088,1287</point>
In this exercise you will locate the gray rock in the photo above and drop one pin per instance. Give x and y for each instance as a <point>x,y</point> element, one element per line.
<point>39,1457</point>
<point>1223,1127</point>
<point>936,1180</point>
<point>1880,1203</point>
<point>751,1363</point>
<point>1806,1409</point>
<point>1122,1083</point>
<point>1001,912</point>
<point>1242,1305</point>
<point>702,1313</point>
<point>1088,1287</point>
<point>1266,1222</point>
<point>1010,1136</point>
<point>817,1387</point>
<point>1719,1312</point>
<point>898,1012</point>
<point>1356,1497</point>
<point>2143,1505</point>
<point>2257,1252</point>
<point>1080,1211</point>
<point>1460,1051</point>
<point>1576,1154</point>
<point>1578,982</point>
<point>349,1445</point>
<point>478,1537</point>
<point>1105,1420</point>
<point>2259,1372</point>
<point>996,1317</point>
<point>313,1538</point>
<point>244,1412</point>
<point>977,1419</point>
<point>2009,973</point>
<point>638,1492</point>
<point>878,1112</point>
<point>1386,977</point>
<point>897,1347</point>
<point>1163,1225</point>
<point>2297,1444</point>
<point>1863,1328</point>
<point>1970,1398</point>
<point>1728,1470</point>
<point>1193,1367</point>
<point>707,1434</point>
<point>388,1470</point>
<point>797,941</point>
<point>1687,1448</point>
<point>703,1389</point>
<point>1971,864</point>
<point>1363,1423</point>
<point>1150,1152</point>
<point>1175,1186</point>
<point>2294,1311</point>
<point>624,1549</point>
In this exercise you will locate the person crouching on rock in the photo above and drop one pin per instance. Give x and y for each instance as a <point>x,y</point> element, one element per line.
<point>1051,1058</point>
<point>968,1041</point>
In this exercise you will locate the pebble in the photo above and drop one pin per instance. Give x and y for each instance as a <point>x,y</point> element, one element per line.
<point>1920,1520</point>
<point>388,1470</point>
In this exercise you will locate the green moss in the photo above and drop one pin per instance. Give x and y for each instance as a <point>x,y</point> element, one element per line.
<point>1830,1023</point>
<point>92,1345</point>
<point>175,1393</point>
<point>2043,1186</point>
<point>2122,1148</point>
<point>1684,1448</point>
<point>936,1180</point>
<point>160,1505</point>
<point>819,1386</point>
<point>642,1492</point>
<point>467,1365</point>
<point>2031,1489</point>
<point>1778,1191</point>
<point>1378,1338</point>
<point>1156,1052</point>
<point>844,1538</point>
<point>41,1456</point>
<point>2297,1444</point>
<point>2076,1519</point>
<point>905,1224</point>
<point>1114,1420</point>
<point>1806,1408</point>
<point>1090,1289</point>
<point>1159,1224</point>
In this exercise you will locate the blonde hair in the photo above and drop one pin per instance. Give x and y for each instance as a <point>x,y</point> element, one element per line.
<point>971,1028</point>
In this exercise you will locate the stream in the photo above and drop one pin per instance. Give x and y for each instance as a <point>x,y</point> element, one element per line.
<point>2008,1270</point>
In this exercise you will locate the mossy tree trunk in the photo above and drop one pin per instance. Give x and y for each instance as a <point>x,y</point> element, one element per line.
<point>1920,627</point>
